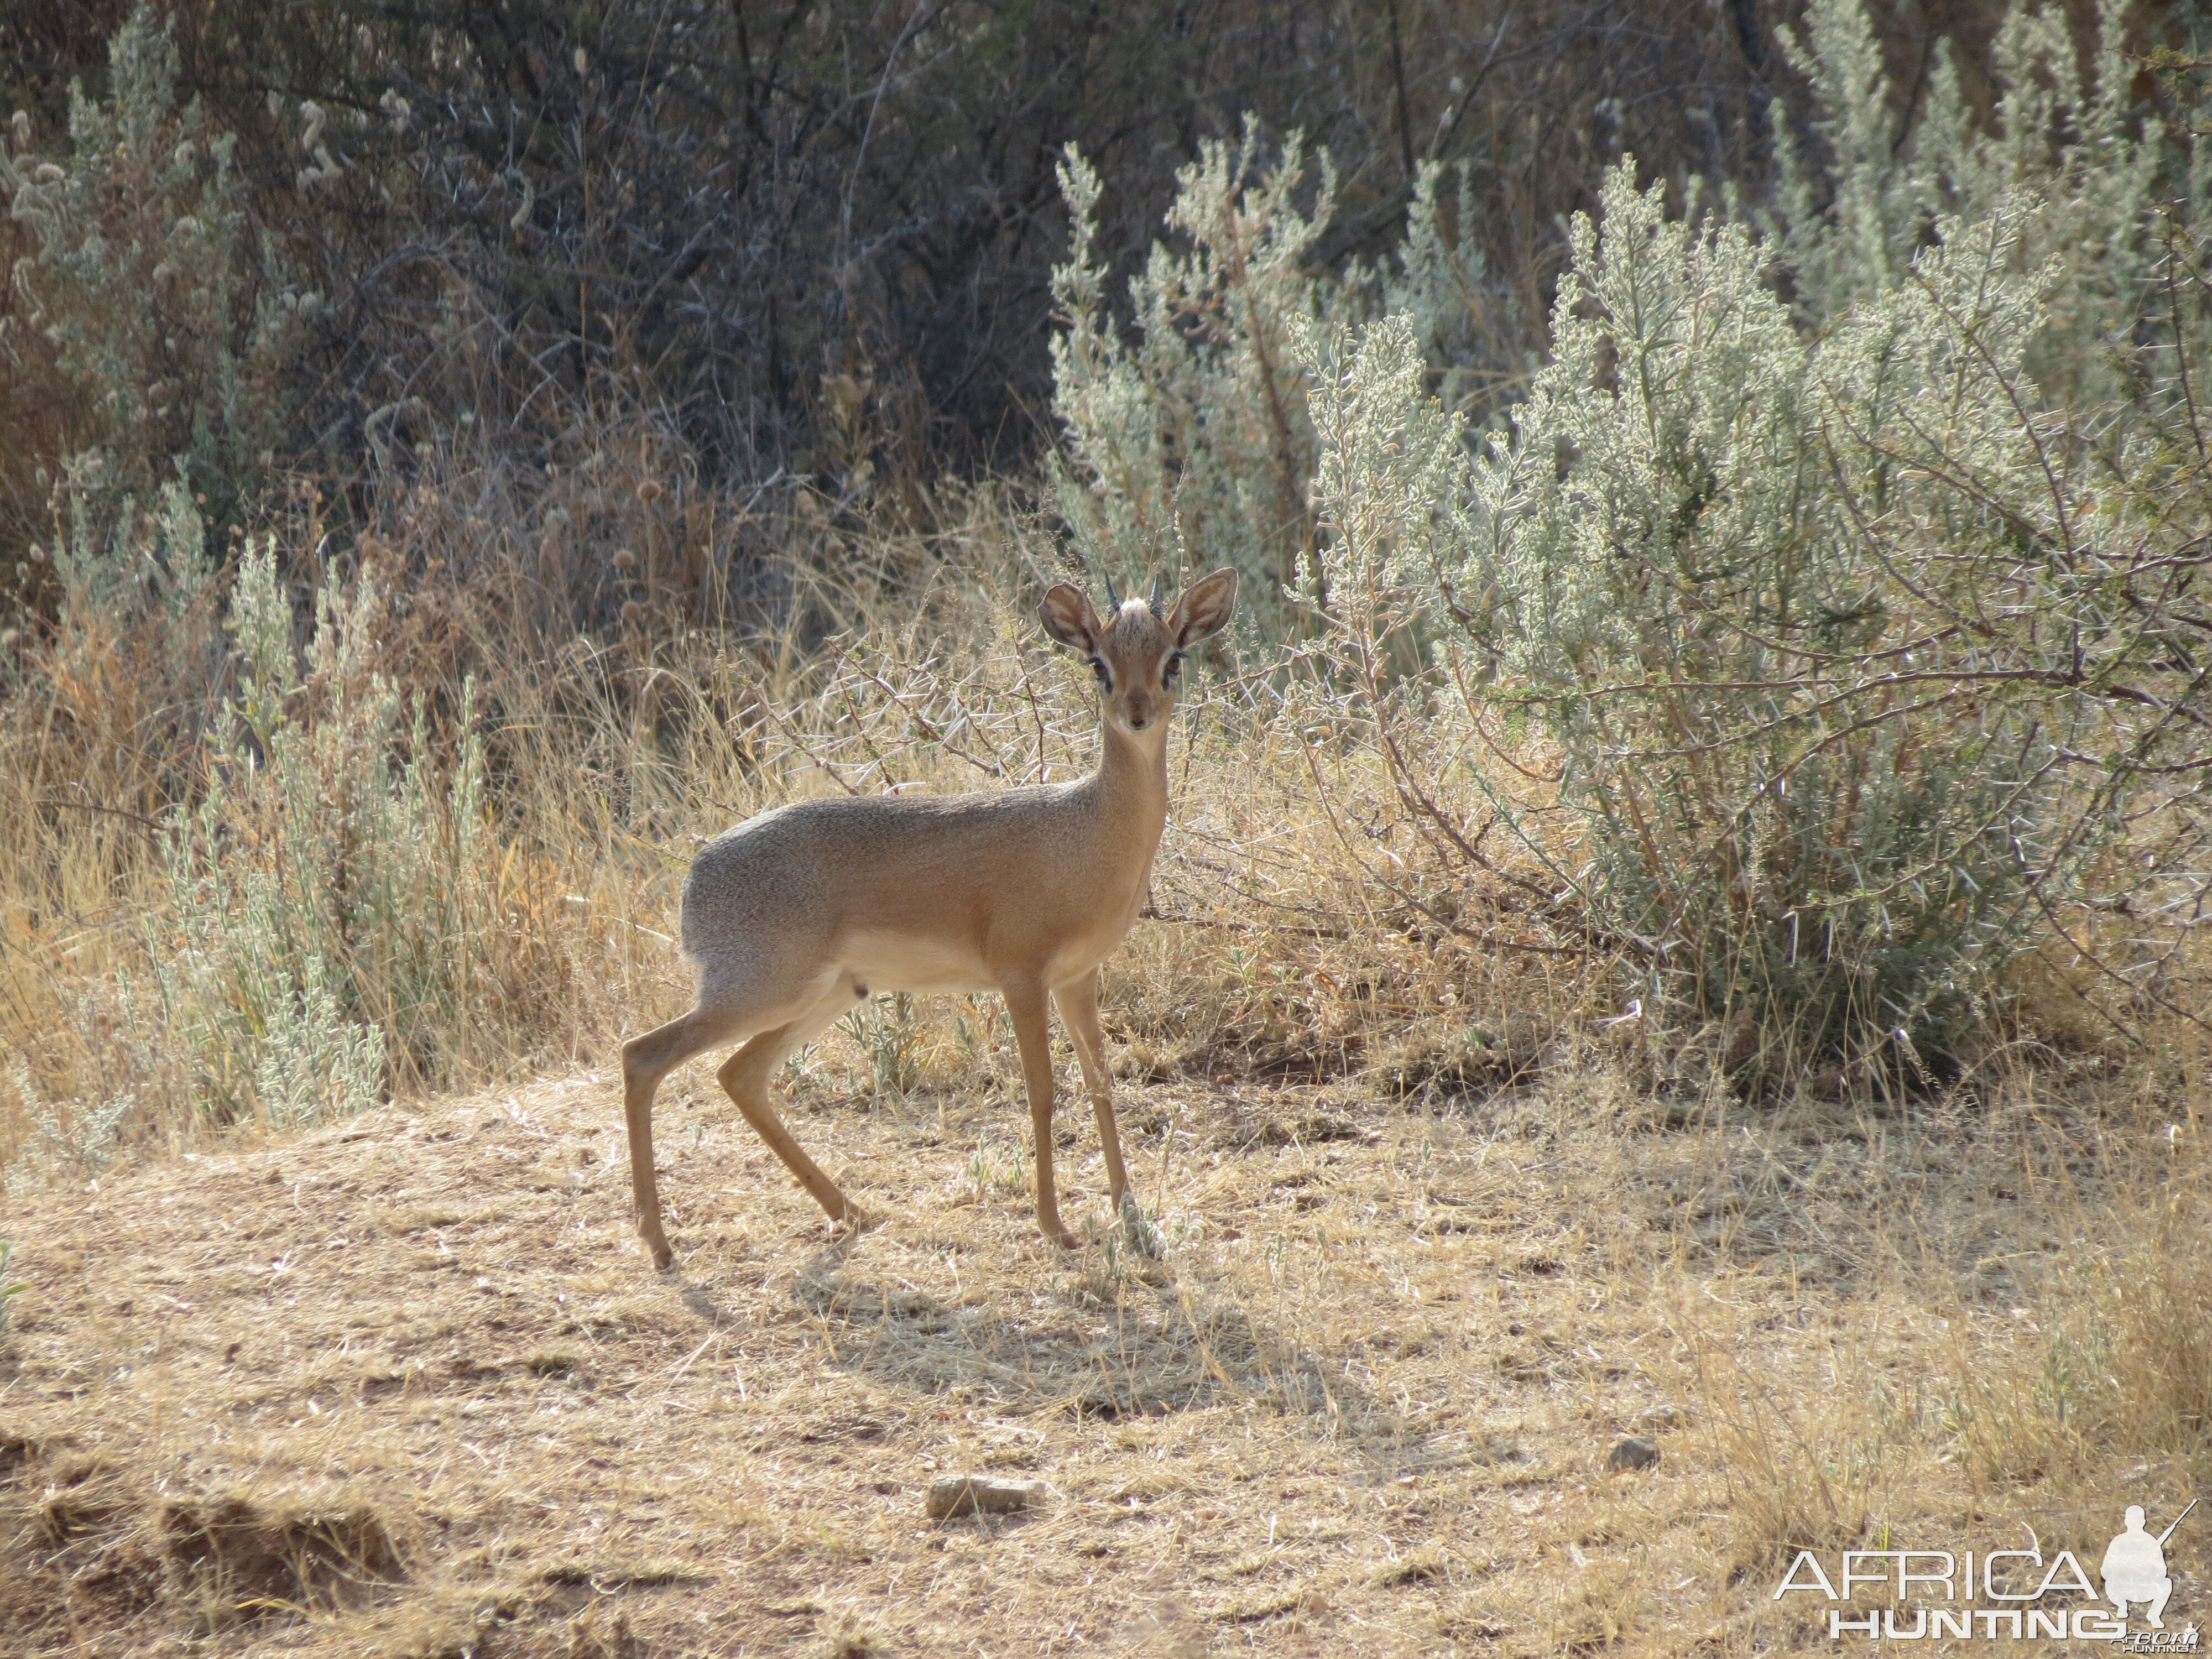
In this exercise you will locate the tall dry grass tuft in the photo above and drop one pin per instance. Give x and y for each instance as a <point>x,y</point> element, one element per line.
<point>1814,1457</point>
<point>2026,1338</point>
<point>2111,1364</point>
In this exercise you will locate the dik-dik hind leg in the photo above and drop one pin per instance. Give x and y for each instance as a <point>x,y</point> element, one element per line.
<point>1078,1001</point>
<point>744,1076</point>
<point>1025,1007</point>
<point>645,1061</point>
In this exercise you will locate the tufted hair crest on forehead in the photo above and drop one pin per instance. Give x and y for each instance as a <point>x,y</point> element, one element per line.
<point>1137,626</point>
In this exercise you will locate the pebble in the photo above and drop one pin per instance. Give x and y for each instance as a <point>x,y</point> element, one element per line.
<point>979,1494</point>
<point>1632,1454</point>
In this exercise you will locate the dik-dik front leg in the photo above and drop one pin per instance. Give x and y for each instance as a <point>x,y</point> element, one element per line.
<point>1025,1006</point>
<point>1078,1001</point>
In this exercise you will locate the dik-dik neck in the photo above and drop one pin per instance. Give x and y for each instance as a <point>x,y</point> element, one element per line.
<point>1131,783</point>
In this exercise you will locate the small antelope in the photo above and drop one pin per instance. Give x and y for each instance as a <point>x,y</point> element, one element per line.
<point>796,915</point>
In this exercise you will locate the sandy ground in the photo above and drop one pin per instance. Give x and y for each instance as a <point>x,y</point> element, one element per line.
<point>407,1386</point>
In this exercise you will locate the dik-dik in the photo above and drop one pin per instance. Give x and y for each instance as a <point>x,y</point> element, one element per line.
<point>796,915</point>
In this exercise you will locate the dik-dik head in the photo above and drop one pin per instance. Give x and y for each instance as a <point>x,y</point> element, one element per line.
<point>1135,650</point>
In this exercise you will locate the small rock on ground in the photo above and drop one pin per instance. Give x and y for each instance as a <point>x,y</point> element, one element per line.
<point>979,1494</point>
<point>1632,1454</point>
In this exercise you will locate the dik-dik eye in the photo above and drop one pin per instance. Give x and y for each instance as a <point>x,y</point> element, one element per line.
<point>1172,668</point>
<point>1105,674</point>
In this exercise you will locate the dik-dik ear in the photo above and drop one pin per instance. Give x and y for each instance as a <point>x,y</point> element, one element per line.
<point>1069,618</point>
<point>1203,610</point>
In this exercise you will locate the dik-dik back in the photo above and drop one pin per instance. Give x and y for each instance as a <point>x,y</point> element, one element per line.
<point>926,891</point>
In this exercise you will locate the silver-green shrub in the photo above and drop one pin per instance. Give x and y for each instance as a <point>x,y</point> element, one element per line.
<point>1195,439</point>
<point>175,323</point>
<point>1836,572</point>
<point>2067,153</point>
<point>1855,654</point>
<point>331,904</point>
<point>1192,436</point>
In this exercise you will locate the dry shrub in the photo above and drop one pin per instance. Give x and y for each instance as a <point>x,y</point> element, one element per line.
<point>849,1635</point>
<point>1475,1057</point>
<point>1814,1466</point>
<point>83,1495</point>
<point>1597,1610</point>
<point>2113,1364</point>
<point>444,1625</point>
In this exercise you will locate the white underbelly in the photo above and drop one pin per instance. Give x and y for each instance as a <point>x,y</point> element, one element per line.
<point>892,961</point>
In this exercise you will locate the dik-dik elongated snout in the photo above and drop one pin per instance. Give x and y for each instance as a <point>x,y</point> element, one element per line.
<point>1139,708</point>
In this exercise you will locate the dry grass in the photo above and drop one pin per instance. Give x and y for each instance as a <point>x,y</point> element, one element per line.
<point>405,1385</point>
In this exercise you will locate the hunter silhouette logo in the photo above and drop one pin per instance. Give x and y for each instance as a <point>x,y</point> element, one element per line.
<point>2134,1567</point>
<point>2011,1595</point>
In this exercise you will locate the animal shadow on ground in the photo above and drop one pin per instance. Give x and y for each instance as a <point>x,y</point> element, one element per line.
<point>1110,1338</point>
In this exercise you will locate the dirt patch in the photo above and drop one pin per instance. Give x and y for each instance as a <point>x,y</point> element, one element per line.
<point>90,1535</point>
<point>253,1554</point>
